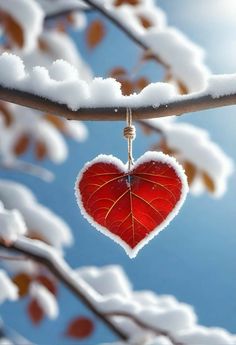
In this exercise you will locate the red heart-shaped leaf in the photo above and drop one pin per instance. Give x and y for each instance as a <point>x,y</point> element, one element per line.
<point>131,207</point>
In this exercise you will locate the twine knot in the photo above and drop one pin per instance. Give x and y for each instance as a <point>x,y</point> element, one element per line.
<point>130,132</point>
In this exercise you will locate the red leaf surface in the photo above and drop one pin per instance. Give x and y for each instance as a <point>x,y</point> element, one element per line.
<point>131,207</point>
<point>80,328</point>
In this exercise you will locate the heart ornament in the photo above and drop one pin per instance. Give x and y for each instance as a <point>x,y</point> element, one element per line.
<point>131,207</point>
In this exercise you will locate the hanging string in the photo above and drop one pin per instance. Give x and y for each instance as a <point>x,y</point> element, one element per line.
<point>129,134</point>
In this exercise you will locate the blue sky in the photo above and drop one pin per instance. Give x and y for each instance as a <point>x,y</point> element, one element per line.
<point>194,258</point>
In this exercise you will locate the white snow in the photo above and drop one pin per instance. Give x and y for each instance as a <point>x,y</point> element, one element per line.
<point>33,124</point>
<point>206,336</point>
<point>76,93</point>
<point>60,46</point>
<point>185,60</point>
<point>29,15</point>
<point>147,157</point>
<point>221,85</point>
<point>53,7</point>
<point>5,341</point>
<point>194,145</point>
<point>116,281</point>
<point>45,299</point>
<point>8,290</point>
<point>12,224</point>
<point>61,70</point>
<point>39,219</point>
<point>184,57</point>
<point>177,318</point>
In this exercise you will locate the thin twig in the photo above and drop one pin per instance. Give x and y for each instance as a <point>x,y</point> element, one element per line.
<point>43,254</point>
<point>13,258</point>
<point>65,12</point>
<point>180,106</point>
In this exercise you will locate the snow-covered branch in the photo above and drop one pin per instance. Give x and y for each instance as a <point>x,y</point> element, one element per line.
<point>119,23</point>
<point>158,332</point>
<point>45,255</point>
<point>180,106</point>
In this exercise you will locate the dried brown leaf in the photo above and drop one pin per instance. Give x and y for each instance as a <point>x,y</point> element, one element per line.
<point>21,145</point>
<point>118,72</point>
<point>5,112</point>
<point>35,312</point>
<point>55,121</point>
<point>163,146</point>
<point>80,328</point>
<point>127,2</point>
<point>141,83</point>
<point>95,33</point>
<point>183,90</point>
<point>40,150</point>
<point>22,280</point>
<point>49,283</point>
<point>146,23</point>
<point>148,55</point>
<point>13,29</point>
<point>208,182</point>
<point>190,171</point>
<point>127,86</point>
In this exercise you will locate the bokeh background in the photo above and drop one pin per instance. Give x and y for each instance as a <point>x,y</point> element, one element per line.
<point>194,259</point>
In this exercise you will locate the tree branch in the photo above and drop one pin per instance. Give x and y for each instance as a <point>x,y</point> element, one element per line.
<point>142,324</point>
<point>45,255</point>
<point>65,12</point>
<point>27,168</point>
<point>110,16</point>
<point>183,104</point>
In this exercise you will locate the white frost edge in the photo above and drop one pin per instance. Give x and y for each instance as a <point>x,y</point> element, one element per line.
<point>150,155</point>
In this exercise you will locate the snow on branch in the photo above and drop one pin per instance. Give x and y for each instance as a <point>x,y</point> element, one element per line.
<point>101,99</point>
<point>129,314</point>
<point>11,224</point>
<point>206,165</point>
<point>45,299</point>
<point>27,17</point>
<point>40,221</point>
<point>183,59</point>
<point>8,290</point>
<point>46,255</point>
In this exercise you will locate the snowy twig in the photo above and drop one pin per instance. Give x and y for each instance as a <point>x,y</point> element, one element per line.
<point>184,104</point>
<point>13,258</point>
<point>142,324</point>
<point>65,12</point>
<point>45,255</point>
<point>27,168</point>
<point>106,13</point>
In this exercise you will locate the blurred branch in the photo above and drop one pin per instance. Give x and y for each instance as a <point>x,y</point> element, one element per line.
<point>183,104</point>
<point>12,258</point>
<point>142,324</point>
<point>65,12</point>
<point>44,254</point>
<point>110,16</point>
<point>27,168</point>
